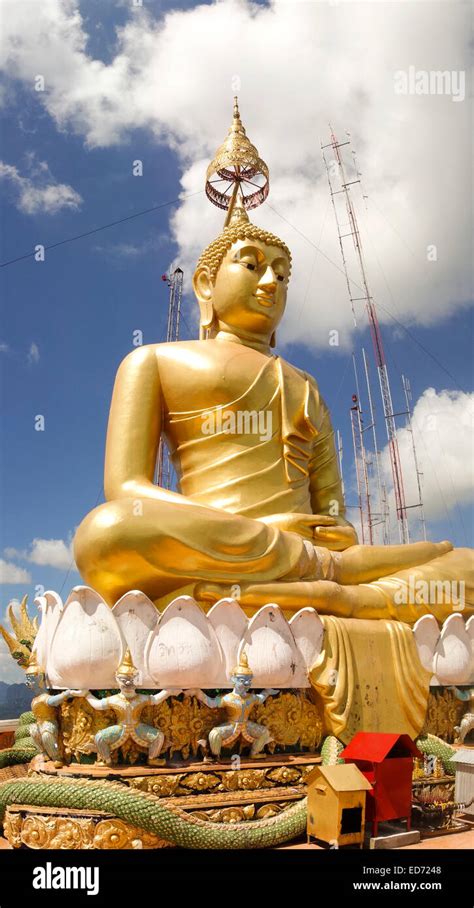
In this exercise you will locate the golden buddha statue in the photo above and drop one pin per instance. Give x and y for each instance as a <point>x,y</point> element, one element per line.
<point>260,503</point>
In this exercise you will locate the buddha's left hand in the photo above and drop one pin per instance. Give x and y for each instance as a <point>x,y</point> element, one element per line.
<point>336,538</point>
<point>321,529</point>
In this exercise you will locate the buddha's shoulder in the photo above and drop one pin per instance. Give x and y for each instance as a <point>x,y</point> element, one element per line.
<point>177,351</point>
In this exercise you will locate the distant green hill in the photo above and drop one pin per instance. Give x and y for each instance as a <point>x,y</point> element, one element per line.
<point>14,700</point>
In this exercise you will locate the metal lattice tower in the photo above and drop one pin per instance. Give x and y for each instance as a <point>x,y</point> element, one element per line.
<point>363,490</point>
<point>384,515</point>
<point>367,298</point>
<point>164,466</point>
<point>419,474</point>
<point>339,456</point>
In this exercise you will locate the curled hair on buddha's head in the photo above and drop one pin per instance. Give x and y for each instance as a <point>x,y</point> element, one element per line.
<point>212,255</point>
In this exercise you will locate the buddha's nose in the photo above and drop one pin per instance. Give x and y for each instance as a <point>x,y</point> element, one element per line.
<point>268,278</point>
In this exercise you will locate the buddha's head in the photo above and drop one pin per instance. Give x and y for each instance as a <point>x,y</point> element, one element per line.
<point>241,282</point>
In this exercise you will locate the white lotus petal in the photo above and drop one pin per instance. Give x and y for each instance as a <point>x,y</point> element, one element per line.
<point>426,632</point>
<point>452,661</point>
<point>230,623</point>
<point>50,606</point>
<point>40,646</point>
<point>271,650</point>
<point>87,646</point>
<point>470,634</point>
<point>308,632</point>
<point>137,618</point>
<point>183,650</point>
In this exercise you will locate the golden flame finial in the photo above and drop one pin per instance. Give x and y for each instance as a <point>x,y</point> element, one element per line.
<point>237,170</point>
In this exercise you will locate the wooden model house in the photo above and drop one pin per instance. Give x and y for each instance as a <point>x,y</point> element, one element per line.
<point>336,804</point>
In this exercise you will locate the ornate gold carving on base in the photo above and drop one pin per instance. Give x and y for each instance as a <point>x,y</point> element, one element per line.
<point>219,781</point>
<point>443,713</point>
<point>60,829</point>
<point>292,718</point>
<point>239,814</point>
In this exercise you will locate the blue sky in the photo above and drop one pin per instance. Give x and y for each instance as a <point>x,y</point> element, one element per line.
<point>68,321</point>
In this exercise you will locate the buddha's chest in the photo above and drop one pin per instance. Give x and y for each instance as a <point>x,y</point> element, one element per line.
<point>209,381</point>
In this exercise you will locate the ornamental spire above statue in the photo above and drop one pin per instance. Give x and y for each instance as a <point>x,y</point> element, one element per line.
<point>264,512</point>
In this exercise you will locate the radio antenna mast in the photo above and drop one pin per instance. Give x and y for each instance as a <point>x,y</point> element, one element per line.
<point>164,466</point>
<point>381,487</point>
<point>419,474</point>
<point>367,298</point>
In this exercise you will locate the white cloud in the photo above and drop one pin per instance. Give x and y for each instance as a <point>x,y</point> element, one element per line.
<point>11,573</point>
<point>443,429</point>
<point>33,353</point>
<point>51,552</point>
<point>39,193</point>
<point>298,66</point>
<point>131,250</point>
<point>46,552</point>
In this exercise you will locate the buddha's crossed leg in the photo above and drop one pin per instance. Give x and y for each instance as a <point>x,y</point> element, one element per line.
<point>441,586</point>
<point>159,547</point>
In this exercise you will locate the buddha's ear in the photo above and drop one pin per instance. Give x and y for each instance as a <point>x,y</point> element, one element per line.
<point>273,340</point>
<point>202,284</point>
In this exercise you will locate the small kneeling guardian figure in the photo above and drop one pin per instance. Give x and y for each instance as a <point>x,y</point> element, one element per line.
<point>238,705</point>
<point>128,706</point>
<point>45,729</point>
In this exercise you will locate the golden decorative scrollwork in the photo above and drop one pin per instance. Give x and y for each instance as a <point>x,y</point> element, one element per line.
<point>239,814</point>
<point>443,713</point>
<point>245,779</point>
<point>115,834</point>
<point>201,781</point>
<point>79,723</point>
<point>222,780</point>
<point>12,828</point>
<point>293,720</point>
<point>58,832</point>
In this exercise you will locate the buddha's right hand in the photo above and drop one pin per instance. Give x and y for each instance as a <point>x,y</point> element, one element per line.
<point>302,524</point>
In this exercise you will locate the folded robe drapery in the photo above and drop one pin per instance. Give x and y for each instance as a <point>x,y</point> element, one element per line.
<point>369,678</point>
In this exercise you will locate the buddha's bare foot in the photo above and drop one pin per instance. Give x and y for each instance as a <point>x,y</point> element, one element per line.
<point>364,563</point>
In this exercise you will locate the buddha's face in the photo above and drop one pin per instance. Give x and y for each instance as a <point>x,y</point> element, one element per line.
<point>249,293</point>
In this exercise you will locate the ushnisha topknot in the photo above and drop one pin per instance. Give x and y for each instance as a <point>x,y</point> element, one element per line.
<point>212,255</point>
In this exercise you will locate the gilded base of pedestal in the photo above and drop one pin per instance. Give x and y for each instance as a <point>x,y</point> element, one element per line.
<point>64,828</point>
<point>218,792</point>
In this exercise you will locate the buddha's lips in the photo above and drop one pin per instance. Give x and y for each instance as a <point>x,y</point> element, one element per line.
<point>265,300</point>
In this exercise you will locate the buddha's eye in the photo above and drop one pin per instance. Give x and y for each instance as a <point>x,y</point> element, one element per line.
<point>249,265</point>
